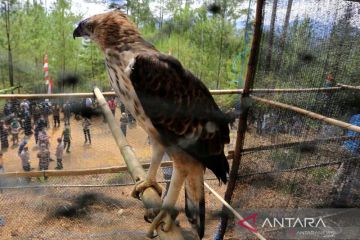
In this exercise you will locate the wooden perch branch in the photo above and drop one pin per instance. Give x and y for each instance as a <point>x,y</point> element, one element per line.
<point>78,172</point>
<point>149,197</point>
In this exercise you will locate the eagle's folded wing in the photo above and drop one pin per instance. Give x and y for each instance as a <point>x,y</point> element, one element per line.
<point>182,109</point>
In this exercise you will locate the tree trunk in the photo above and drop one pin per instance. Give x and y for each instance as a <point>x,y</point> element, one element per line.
<point>343,51</point>
<point>161,13</point>
<point>10,59</point>
<point>284,31</point>
<point>223,15</point>
<point>220,57</point>
<point>271,35</point>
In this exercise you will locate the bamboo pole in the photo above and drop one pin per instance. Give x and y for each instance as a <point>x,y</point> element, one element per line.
<point>149,197</point>
<point>349,86</point>
<point>249,80</point>
<point>53,95</point>
<point>78,172</point>
<point>214,92</point>
<point>292,144</point>
<point>228,206</point>
<point>310,114</point>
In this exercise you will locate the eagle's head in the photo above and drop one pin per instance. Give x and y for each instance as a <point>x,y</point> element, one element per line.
<point>108,29</point>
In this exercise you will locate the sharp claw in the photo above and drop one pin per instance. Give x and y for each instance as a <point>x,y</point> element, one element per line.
<point>144,184</point>
<point>163,218</point>
<point>150,214</point>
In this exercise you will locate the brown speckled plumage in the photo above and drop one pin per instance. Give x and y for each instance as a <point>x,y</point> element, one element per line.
<point>173,106</point>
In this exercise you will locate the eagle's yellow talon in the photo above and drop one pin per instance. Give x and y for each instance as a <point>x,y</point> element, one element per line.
<point>144,184</point>
<point>163,218</point>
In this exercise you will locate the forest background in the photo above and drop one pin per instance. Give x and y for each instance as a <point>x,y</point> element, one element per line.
<point>212,40</point>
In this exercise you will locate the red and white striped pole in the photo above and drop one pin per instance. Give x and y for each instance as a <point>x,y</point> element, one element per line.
<point>48,82</point>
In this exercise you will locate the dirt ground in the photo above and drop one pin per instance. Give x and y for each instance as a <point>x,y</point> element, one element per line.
<point>111,213</point>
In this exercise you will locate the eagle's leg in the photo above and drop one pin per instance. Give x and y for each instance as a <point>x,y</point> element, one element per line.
<point>182,167</point>
<point>179,175</point>
<point>150,180</point>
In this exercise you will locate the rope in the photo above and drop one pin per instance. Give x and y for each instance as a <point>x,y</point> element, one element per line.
<point>227,205</point>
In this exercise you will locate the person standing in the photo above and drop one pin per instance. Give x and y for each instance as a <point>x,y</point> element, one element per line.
<point>1,171</point>
<point>41,123</point>
<point>59,154</point>
<point>330,82</point>
<point>25,104</point>
<point>27,124</point>
<point>44,138</point>
<point>1,163</point>
<point>66,135</point>
<point>67,112</point>
<point>36,133</point>
<point>123,123</point>
<point>112,105</point>
<point>44,158</point>
<point>86,129</point>
<point>36,113</point>
<point>56,115</point>
<point>4,135</point>
<point>8,109</point>
<point>25,159</point>
<point>22,146</point>
<point>15,128</point>
<point>46,111</point>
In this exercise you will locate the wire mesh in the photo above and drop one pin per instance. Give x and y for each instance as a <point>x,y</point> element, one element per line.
<point>79,210</point>
<point>305,44</point>
<point>321,38</point>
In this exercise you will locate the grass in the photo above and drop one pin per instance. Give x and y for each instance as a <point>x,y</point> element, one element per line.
<point>321,174</point>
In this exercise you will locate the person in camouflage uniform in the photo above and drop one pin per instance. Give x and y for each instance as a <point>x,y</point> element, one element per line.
<point>1,164</point>
<point>27,124</point>
<point>36,113</point>
<point>44,158</point>
<point>56,115</point>
<point>124,120</point>
<point>46,111</point>
<point>44,138</point>
<point>4,135</point>
<point>86,129</point>
<point>25,159</point>
<point>59,154</point>
<point>15,129</point>
<point>66,135</point>
<point>67,112</point>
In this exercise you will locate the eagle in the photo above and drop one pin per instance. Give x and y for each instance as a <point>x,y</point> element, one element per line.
<point>174,107</point>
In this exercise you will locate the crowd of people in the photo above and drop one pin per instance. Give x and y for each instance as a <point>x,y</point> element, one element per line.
<point>33,117</point>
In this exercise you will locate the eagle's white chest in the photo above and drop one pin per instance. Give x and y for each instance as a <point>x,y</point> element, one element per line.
<point>119,66</point>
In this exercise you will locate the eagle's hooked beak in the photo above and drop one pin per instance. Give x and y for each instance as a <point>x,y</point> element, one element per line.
<point>79,30</point>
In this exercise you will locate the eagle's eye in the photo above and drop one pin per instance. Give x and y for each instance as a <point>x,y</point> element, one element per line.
<point>90,26</point>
